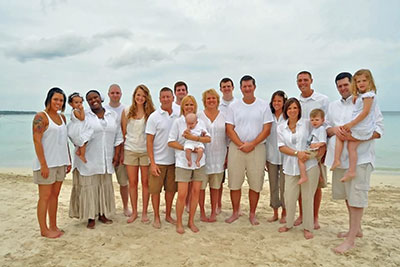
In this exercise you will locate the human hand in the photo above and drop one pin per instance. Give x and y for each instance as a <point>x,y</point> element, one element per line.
<point>303,156</point>
<point>246,147</point>
<point>347,127</point>
<point>44,171</point>
<point>154,170</point>
<point>69,167</point>
<point>115,161</point>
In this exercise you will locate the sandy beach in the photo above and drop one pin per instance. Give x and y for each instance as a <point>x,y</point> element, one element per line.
<point>217,244</point>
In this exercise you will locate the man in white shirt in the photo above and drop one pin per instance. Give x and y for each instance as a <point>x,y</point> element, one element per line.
<point>115,94</point>
<point>180,90</point>
<point>162,157</point>
<point>309,100</point>
<point>248,124</point>
<point>355,191</point>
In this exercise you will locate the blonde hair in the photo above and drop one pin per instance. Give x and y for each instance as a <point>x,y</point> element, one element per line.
<point>317,112</point>
<point>367,73</point>
<point>148,104</point>
<point>211,92</point>
<point>186,99</point>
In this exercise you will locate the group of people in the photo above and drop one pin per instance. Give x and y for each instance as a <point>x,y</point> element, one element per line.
<point>182,149</point>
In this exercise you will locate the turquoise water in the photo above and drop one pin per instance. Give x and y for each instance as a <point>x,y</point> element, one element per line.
<point>16,146</point>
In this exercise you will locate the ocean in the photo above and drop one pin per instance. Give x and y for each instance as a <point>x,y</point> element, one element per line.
<point>16,145</point>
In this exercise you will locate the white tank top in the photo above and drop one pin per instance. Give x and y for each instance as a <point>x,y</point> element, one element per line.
<point>135,138</point>
<point>54,142</point>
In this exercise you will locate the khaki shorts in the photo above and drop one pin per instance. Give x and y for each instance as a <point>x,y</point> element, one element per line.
<point>56,174</point>
<point>250,164</point>
<point>355,190</point>
<point>122,175</point>
<point>214,179</point>
<point>186,176</point>
<point>166,179</point>
<point>136,159</point>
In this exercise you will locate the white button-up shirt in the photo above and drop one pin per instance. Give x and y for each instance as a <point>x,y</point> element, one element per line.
<point>100,147</point>
<point>274,156</point>
<point>159,124</point>
<point>296,141</point>
<point>175,134</point>
<point>339,113</point>
<point>316,100</point>
<point>216,149</point>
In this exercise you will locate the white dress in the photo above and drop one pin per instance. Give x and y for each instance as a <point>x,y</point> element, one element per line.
<point>79,132</point>
<point>365,128</point>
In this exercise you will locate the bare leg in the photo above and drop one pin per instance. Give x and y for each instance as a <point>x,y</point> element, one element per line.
<point>196,185</point>
<point>124,191</point>
<point>189,194</point>
<point>188,154</point>
<point>202,196</point>
<point>169,197</point>
<point>213,199</point>
<point>345,234</point>
<point>53,206</point>
<point>200,152</point>
<point>133,190</point>
<point>351,172</point>
<point>303,172</point>
<point>253,199</point>
<point>338,152</point>
<point>180,205</point>
<point>219,204</point>
<point>317,204</point>
<point>274,217</point>
<point>355,225</point>
<point>82,153</point>
<point>235,199</point>
<point>42,206</point>
<point>155,202</point>
<point>144,172</point>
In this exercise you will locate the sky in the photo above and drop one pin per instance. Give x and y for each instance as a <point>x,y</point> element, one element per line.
<point>82,45</point>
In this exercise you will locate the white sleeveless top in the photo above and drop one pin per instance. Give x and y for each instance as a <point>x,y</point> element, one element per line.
<point>135,138</point>
<point>54,142</point>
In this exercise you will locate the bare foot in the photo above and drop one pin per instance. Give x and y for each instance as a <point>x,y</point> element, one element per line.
<point>51,234</point>
<point>343,248</point>
<point>298,221</point>
<point>335,164</point>
<point>212,218</point>
<point>302,180</point>
<point>316,225</point>
<point>233,218</point>
<point>56,229</point>
<point>219,210</point>
<point>203,218</point>
<point>346,234</point>
<point>189,163</point>
<point>193,228</point>
<point>282,220</point>
<point>170,220</point>
<point>91,224</point>
<point>132,218</point>
<point>273,218</point>
<point>127,212</point>
<point>105,220</point>
<point>179,229</point>
<point>198,164</point>
<point>283,229</point>
<point>253,220</point>
<point>157,224</point>
<point>348,176</point>
<point>308,234</point>
<point>145,219</point>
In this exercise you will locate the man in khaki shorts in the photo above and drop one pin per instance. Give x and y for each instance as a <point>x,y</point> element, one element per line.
<point>115,94</point>
<point>355,191</point>
<point>162,157</point>
<point>248,124</point>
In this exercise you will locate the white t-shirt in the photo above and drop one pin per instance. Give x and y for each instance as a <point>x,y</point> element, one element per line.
<point>159,124</point>
<point>316,100</point>
<point>117,110</point>
<point>176,109</point>
<point>223,105</point>
<point>249,119</point>
<point>318,135</point>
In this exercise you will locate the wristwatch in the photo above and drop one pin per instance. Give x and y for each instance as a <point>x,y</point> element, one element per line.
<point>296,152</point>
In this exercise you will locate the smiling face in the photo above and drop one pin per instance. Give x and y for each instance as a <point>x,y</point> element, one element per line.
<point>344,88</point>
<point>277,103</point>
<point>293,111</point>
<point>211,101</point>
<point>166,99</point>
<point>188,107</point>
<point>362,83</point>
<point>226,89</point>
<point>248,88</point>
<point>180,92</point>
<point>140,97</point>
<point>114,93</point>
<point>304,82</point>
<point>56,102</point>
<point>94,101</point>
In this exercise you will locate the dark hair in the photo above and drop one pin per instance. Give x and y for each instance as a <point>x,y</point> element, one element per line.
<point>304,72</point>
<point>71,96</point>
<point>180,83</point>
<point>166,89</point>
<point>287,104</point>
<point>277,93</point>
<point>247,78</point>
<point>93,91</point>
<point>225,80</point>
<point>51,92</point>
<point>343,75</point>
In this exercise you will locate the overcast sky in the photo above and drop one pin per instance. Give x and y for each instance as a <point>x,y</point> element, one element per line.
<point>80,45</point>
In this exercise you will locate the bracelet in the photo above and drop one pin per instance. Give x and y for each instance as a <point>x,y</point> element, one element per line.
<point>296,152</point>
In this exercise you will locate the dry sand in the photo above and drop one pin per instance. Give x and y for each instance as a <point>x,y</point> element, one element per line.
<point>217,244</point>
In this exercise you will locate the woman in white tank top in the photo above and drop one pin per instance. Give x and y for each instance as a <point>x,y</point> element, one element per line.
<point>52,160</point>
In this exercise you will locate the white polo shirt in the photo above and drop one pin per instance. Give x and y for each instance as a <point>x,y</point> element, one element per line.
<point>249,119</point>
<point>274,156</point>
<point>223,105</point>
<point>296,141</point>
<point>175,134</point>
<point>100,147</point>
<point>316,100</point>
<point>159,124</point>
<point>339,113</point>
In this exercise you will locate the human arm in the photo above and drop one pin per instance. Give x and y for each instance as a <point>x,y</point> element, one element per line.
<point>79,113</point>
<point>301,155</point>
<point>367,104</point>
<point>39,125</point>
<point>154,170</point>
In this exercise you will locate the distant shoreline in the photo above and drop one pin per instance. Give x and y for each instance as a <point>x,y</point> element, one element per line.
<point>14,112</point>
